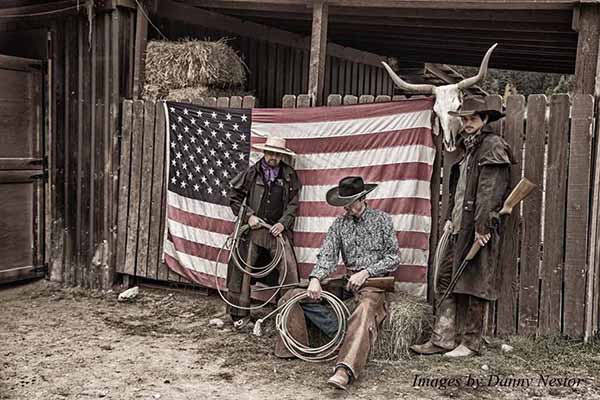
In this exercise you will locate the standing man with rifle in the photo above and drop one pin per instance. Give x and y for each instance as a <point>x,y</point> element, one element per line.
<point>266,193</point>
<point>479,184</point>
<point>366,239</point>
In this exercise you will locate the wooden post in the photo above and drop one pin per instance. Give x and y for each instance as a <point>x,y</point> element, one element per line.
<point>585,21</point>
<point>318,51</point>
<point>141,38</point>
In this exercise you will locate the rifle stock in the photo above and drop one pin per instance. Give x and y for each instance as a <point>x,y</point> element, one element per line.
<point>522,190</point>
<point>384,283</point>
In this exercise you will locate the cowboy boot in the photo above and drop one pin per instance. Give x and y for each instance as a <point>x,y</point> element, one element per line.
<point>444,330</point>
<point>460,352</point>
<point>341,379</point>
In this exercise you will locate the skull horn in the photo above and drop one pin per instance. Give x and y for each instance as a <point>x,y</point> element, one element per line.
<point>466,83</point>
<point>421,88</point>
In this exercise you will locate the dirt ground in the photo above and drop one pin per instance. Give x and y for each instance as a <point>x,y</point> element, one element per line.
<point>75,344</point>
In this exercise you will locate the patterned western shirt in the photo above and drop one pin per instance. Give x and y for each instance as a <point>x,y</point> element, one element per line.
<point>368,242</point>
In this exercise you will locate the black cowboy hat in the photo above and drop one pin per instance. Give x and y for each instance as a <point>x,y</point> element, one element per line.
<point>474,105</point>
<point>350,189</point>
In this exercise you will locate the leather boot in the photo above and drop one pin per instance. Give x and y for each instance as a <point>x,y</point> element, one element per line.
<point>341,379</point>
<point>427,348</point>
<point>460,352</point>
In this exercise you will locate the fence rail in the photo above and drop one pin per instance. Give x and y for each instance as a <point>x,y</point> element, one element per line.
<point>544,256</point>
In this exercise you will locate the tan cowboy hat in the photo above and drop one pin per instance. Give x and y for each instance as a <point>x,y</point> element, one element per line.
<point>275,145</point>
<point>474,105</point>
<point>350,189</point>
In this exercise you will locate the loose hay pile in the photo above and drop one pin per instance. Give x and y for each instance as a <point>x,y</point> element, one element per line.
<point>192,68</point>
<point>409,321</point>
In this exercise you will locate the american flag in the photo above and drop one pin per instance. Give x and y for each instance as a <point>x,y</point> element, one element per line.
<point>386,143</point>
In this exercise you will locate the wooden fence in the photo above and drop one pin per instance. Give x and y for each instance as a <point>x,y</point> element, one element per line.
<point>546,284</point>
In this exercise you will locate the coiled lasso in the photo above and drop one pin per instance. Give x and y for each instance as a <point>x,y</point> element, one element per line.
<point>232,244</point>
<point>325,352</point>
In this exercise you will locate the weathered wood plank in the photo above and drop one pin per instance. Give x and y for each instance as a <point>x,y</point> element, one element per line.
<point>280,75</point>
<point>249,102</point>
<point>532,210</point>
<point>137,130</point>
<point>124,180</point>
<point>355,82</point>
<point>360,80</point>
<point>141,38</point>
<point>318,50</point>
<point>223,102</point>
<point>554,216</point>
<point>271,77</point>
<point>382,98</point>
<point>158,174</point>
<point>366,98</point>
<point>506,306</point>
<point>327,79</point>
<point>350,99</point>
<point>235,102</point>
<point>348,78</point>
<point>587,49</point>
<point>592,300</point>
<point>334,100</point>
<point>289,101</point>
<point>146,190</point>
<point>578,199</point>
<point>303,100</point>
<point>210,101</point>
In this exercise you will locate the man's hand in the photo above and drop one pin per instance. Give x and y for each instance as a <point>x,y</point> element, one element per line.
<point>314,289</point>
<point>357,280</point>
<point>277,229</point>
<point>482,239</point>
<point>253,221</point>
<point>449,226</point>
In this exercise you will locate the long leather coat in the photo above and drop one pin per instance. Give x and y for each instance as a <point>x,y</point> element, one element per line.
<point>487,186</point>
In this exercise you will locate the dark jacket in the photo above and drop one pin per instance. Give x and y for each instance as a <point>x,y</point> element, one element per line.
<point>250,183</point>
<point>487,186</point>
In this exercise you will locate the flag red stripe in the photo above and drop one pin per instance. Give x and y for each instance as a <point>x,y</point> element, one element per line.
<point>357,142</point>
<point>389,205</point>
<point>411,240</point>
<point>375,173</point>
<point>191,275</point>
<point>324,114</point>
<point>197,249</point>
<point>199,221</point>
<point>404,273</point>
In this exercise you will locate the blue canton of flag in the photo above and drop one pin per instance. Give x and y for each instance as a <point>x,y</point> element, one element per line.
<point>207,148</point>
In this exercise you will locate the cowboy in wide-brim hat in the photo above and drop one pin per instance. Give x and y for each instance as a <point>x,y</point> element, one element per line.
<point>274,145</point>
<point>350,189</point>
<point>474,105</point>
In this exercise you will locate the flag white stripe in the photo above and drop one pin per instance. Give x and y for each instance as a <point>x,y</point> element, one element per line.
<point>197,235</point>
<point>415,257</point>
<point>200,207</point>
<point>384,190</point>
<point>402,222</point>
<point>362,158</point>
<point>304,130</point>
<point>195,263</point>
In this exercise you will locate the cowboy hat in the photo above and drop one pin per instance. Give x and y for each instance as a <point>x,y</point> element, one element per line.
<point>474,105</point>
<point>350,189</point>
<point>274,145</point>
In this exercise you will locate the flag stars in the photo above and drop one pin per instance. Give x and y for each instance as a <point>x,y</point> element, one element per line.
<point>241,156</point>
<point>219,163</point>
<point>221,125</point>
<point>172,109</point>
<point>211,171</point>
<point>179,137</point>
<point>235,127</point>
<point>173,181</point>
<point>206,142</point>
<point>217,182</point>
<point>199,113</point>
<point>226,154</point>
<point>224,193</point>
<point>209,190</point>
<point>186,147</point>
<point>213,132</point>
<point>243,137</point>
<point>192,140</point>
<point>192,158</point>
<point>228,135</point>
<point>196,188</point>
<point>234,146</point>
<point>204,160</point>
<point>193,121</point>
<point>186,129</point>
<point>177,173</point>
<point>178,155</point>
<point>185,111</point>
<point>183,184</point>
<point>228,117</point>
<point>214,115</point>
<point>225,174</point>
<point>173,127</point>
<point>199,150</point>
<point>212,152</point>
<point>197,168</point>
<point>206,123</point>
<point>220,143</point>
<point>184,166</point>
<point>199,131</point>
<point>172,145</point>
<point>204,179</point>
<point>233,165</point>
<point>179,119</point>
<point>244,118</point>
<point>190,176</point>
<point>173,163</point>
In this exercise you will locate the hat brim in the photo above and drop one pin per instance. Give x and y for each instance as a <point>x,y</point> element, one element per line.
<point>264,147</point>
<point>493,115</point>
<point>334,199</point>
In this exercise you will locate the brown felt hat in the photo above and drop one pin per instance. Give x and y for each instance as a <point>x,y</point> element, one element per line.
<point>475,105</point>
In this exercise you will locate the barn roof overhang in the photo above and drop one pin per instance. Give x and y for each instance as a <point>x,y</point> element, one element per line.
<point>537,35</point>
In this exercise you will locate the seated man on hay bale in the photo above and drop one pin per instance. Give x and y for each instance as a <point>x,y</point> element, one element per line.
<point>479,184</point>
<point>271,188</point>
<point>367,241</point>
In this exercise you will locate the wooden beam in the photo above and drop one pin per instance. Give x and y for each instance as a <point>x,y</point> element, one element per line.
<point>141,39</point>
<point>174,10</point>
<point>586,65</point>
<point>318,50</point>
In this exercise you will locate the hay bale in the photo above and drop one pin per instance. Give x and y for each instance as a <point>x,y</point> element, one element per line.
<point>202,91</point>
<point>192,63</point>
<point>410,320</point>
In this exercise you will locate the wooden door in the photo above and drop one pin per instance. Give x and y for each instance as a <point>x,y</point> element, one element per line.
<point>22,169</point>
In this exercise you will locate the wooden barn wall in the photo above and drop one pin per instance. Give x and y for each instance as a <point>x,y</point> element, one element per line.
<point>90,69</point>
<point>275,70</point>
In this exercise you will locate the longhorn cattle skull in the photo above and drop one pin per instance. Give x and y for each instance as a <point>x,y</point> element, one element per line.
<point>447,98</point>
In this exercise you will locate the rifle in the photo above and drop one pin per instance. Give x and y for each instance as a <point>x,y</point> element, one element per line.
<point>385,283</point>
<point>520,192</point>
